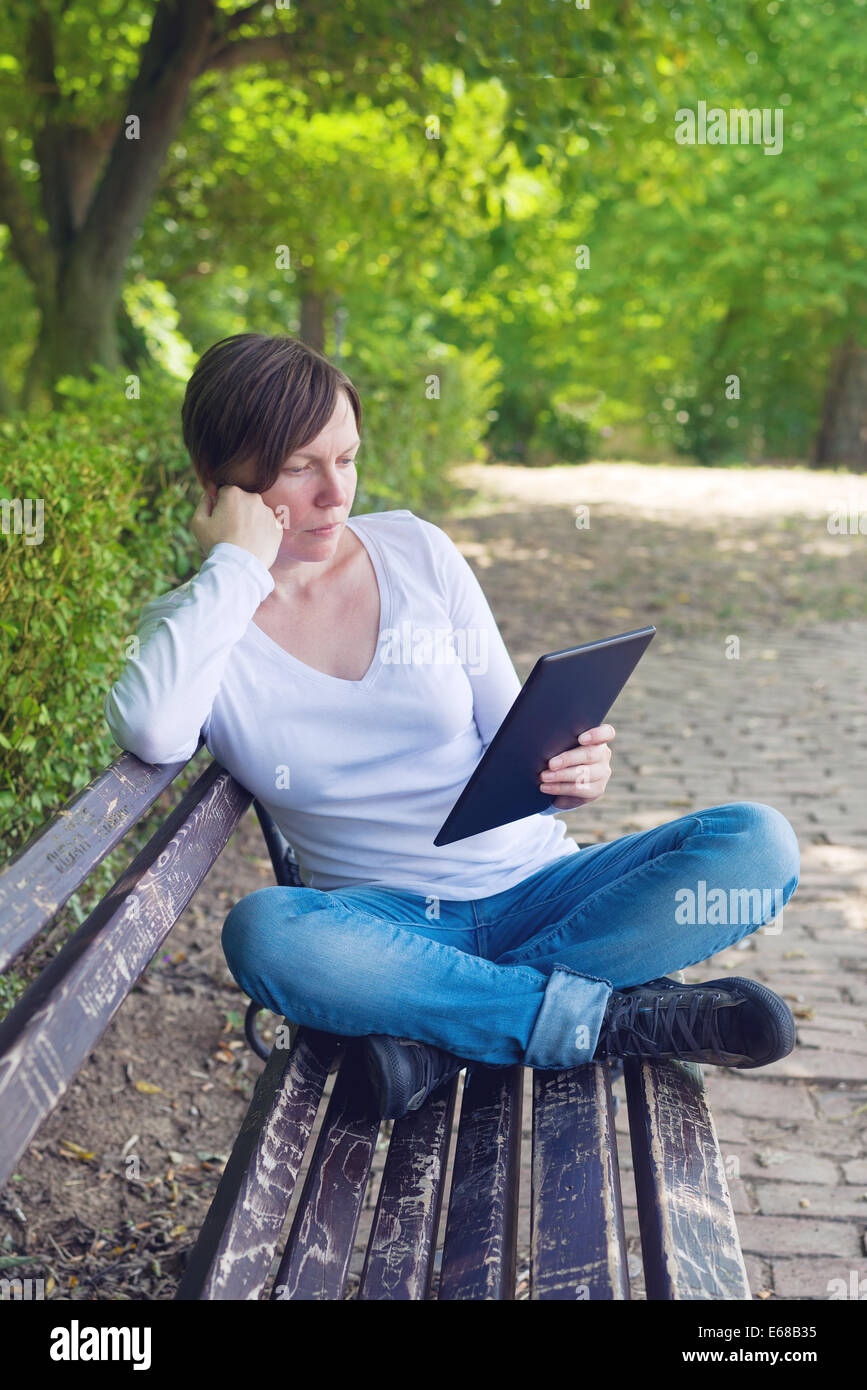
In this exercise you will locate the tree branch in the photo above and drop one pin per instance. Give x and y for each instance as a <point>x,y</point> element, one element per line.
<point>239,17</point>
<point>181,34</point>
<point>263,48</point>
<point>32,251</point>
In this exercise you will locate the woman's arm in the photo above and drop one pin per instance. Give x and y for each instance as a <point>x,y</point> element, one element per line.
<point>160,705</point>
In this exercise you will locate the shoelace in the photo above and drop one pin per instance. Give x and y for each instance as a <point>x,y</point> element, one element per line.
<point>625,1020</point>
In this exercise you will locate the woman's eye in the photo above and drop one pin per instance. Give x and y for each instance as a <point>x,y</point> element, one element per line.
<point>304,469</point>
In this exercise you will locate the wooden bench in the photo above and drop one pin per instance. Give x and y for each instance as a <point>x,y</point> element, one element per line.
<point>578,1244</point>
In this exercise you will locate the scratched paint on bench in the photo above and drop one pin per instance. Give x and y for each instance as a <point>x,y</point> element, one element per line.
<point>577,1235</point>
<point>40,878</point>
<point>398,1263</point>
<point>233,1255</point>
<point>688,1232</point>
<point>316,1259</point>
<point>479,1249</point>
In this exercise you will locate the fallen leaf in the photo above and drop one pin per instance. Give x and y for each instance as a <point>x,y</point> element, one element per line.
<point>147,1088</point>
<point>70,1150</point>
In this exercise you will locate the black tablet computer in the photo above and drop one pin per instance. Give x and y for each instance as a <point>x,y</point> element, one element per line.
<point>565,694</point>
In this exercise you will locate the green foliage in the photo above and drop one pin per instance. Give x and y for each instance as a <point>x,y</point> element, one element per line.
<point>115,514</point>
<point>425,407</point>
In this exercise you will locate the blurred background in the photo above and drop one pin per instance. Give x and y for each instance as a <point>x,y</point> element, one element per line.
<point>484,213</point>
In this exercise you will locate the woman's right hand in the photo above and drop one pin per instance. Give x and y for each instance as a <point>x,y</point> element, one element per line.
<point>241,518</point>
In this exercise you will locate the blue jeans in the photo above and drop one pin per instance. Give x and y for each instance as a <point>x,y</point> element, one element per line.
<point>523,975</point>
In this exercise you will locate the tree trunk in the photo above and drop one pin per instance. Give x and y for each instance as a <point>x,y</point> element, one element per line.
<point>7,400</point>
<point>313,314</point>
<point>842,436</point>
<point>77,331</point>
<point>93,212</point>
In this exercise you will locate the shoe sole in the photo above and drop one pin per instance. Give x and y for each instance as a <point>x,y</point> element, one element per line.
<point>785,1028</point>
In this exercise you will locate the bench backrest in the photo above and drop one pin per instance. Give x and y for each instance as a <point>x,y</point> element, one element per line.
<point>59,1019</point>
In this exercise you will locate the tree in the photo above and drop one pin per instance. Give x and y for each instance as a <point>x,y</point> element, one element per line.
<point>90,122</point>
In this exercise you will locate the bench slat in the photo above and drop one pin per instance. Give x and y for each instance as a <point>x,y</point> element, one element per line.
<point>233,1255</point>
<point>60,1018</point>
<point>400,1253</point>
<point>43,875</point>
<point>481,1228</point>
<point>577,1235</point>
<point>688,1233</point>
<point>316,1259</point>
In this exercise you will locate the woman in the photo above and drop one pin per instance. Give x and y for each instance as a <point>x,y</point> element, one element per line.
<point>514,945</point>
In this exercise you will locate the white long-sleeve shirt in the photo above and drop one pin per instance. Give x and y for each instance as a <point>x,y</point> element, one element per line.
<point>358,775</point>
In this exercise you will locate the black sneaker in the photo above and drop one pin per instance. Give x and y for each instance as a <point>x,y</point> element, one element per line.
<point>403,1072</point>
<point>727,1023</point>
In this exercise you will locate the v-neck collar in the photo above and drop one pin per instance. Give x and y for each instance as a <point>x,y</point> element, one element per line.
<point>373,549</point>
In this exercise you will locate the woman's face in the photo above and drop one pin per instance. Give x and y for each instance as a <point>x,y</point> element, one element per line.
<point>315,487</point>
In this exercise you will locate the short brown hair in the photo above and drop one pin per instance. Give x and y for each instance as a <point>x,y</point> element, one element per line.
<point>262,397</point>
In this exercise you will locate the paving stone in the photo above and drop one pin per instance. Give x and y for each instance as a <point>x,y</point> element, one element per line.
<point>856,1172</point>
<point>852,1037</point>
<point>785,1198</point>
<point>848,1105</point>
<point>822,1063</point>
<point>778,1161</point>
<point>793,1235</point>
<point>759,1274</point>
<point>746,1096</point>
<point>836,1022</point>
<point>812,1279</point>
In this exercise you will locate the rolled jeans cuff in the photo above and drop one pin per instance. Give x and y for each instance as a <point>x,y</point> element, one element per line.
<point>567,1026</point>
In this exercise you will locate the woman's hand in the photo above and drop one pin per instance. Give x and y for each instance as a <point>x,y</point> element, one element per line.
<point>580,774</point>
<point>241,518</point>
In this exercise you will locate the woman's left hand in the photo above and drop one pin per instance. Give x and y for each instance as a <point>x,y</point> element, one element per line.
<point>580,774</point>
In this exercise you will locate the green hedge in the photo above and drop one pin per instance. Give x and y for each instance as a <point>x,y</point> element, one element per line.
<point>115,513</point>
